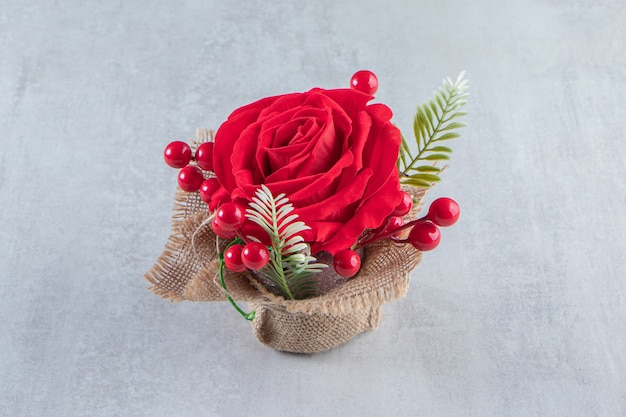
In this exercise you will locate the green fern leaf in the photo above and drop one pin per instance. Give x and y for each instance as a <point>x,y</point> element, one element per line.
<point>435,121</point>
<point>291,267</point>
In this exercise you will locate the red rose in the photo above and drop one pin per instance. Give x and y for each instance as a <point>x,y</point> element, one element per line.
<point>331,153</point>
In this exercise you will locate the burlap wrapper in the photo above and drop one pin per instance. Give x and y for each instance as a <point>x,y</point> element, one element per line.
<point>187,270</point>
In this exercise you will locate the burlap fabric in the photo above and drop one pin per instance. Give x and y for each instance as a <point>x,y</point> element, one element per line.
<point>187,270</point>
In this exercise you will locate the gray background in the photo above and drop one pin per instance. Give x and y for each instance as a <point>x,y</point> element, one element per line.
<point>520,312</point>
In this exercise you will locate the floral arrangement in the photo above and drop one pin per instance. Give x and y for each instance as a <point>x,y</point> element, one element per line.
<point>298,186</point>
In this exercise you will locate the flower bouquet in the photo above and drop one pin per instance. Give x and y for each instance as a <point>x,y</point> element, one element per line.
<point>304,206</point>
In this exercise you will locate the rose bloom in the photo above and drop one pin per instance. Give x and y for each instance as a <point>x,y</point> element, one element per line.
<point>332,154</point>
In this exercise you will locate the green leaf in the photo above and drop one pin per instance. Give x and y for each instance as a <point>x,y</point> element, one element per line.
<point>426,177</point>
<point>416,182</point>
<point>427,121</point>
<point>433,108</point>
<point>404,151</point>
<point>417,130</point>
<point>452,126</point>
<point>428,168</point>
<point>429,115</point>
<point>455,115</point>
<point>437,157</point>
<point>446,136</point>
<point>440,149</point>
<point>291,266</point>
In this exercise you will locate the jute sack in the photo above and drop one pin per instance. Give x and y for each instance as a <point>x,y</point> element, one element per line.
<point>187,270</point>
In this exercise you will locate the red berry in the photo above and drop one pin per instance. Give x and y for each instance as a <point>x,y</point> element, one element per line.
<point>444,212</point>
<point>232,258</point>
<point>221,233</point>
<point>424,236</point>
<point>207,188</point>
<point>405,205</point>
<point>364,81</point>
<point>394,223</point>
<point>230,216</point>
<point>177,154</point>
<point>204,156</point>
<point>190,178</point>
<point>347,263</point>
<point>255,256</point>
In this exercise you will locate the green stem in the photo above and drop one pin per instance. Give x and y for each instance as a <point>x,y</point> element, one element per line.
<point>277,259</point>
<point>248,316</point>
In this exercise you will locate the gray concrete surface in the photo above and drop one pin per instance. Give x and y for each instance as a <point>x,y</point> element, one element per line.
<point>520,312</point>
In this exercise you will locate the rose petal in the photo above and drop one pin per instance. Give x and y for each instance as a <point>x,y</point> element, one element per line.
<point>328,207</point>
<point>321,153</point>
<point>370,216</point>
<point>279,158</point>
<point>348,99</point>
<point>381,151</point>
<point>282,104</point>
<point>321,231</point>
<point>362,125</point>
<point>218,198</point>
<point>225,140</point>
<point>244,151</point>
<point>322,187</point>
<point>287,187</point>
<point>341,116</point>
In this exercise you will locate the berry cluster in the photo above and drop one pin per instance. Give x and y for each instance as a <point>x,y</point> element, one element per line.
<point>228,220</point>
<point>191,178</point>
<point>229,217</point>
<point>424,234</point>
<point>252,255</point>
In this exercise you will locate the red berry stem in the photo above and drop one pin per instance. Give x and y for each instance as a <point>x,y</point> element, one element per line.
<point>389,234</point>
<point>371,234</point>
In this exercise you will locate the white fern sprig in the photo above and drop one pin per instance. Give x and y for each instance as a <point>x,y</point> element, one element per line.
<point>434,122</point>
<point>291,266</point>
